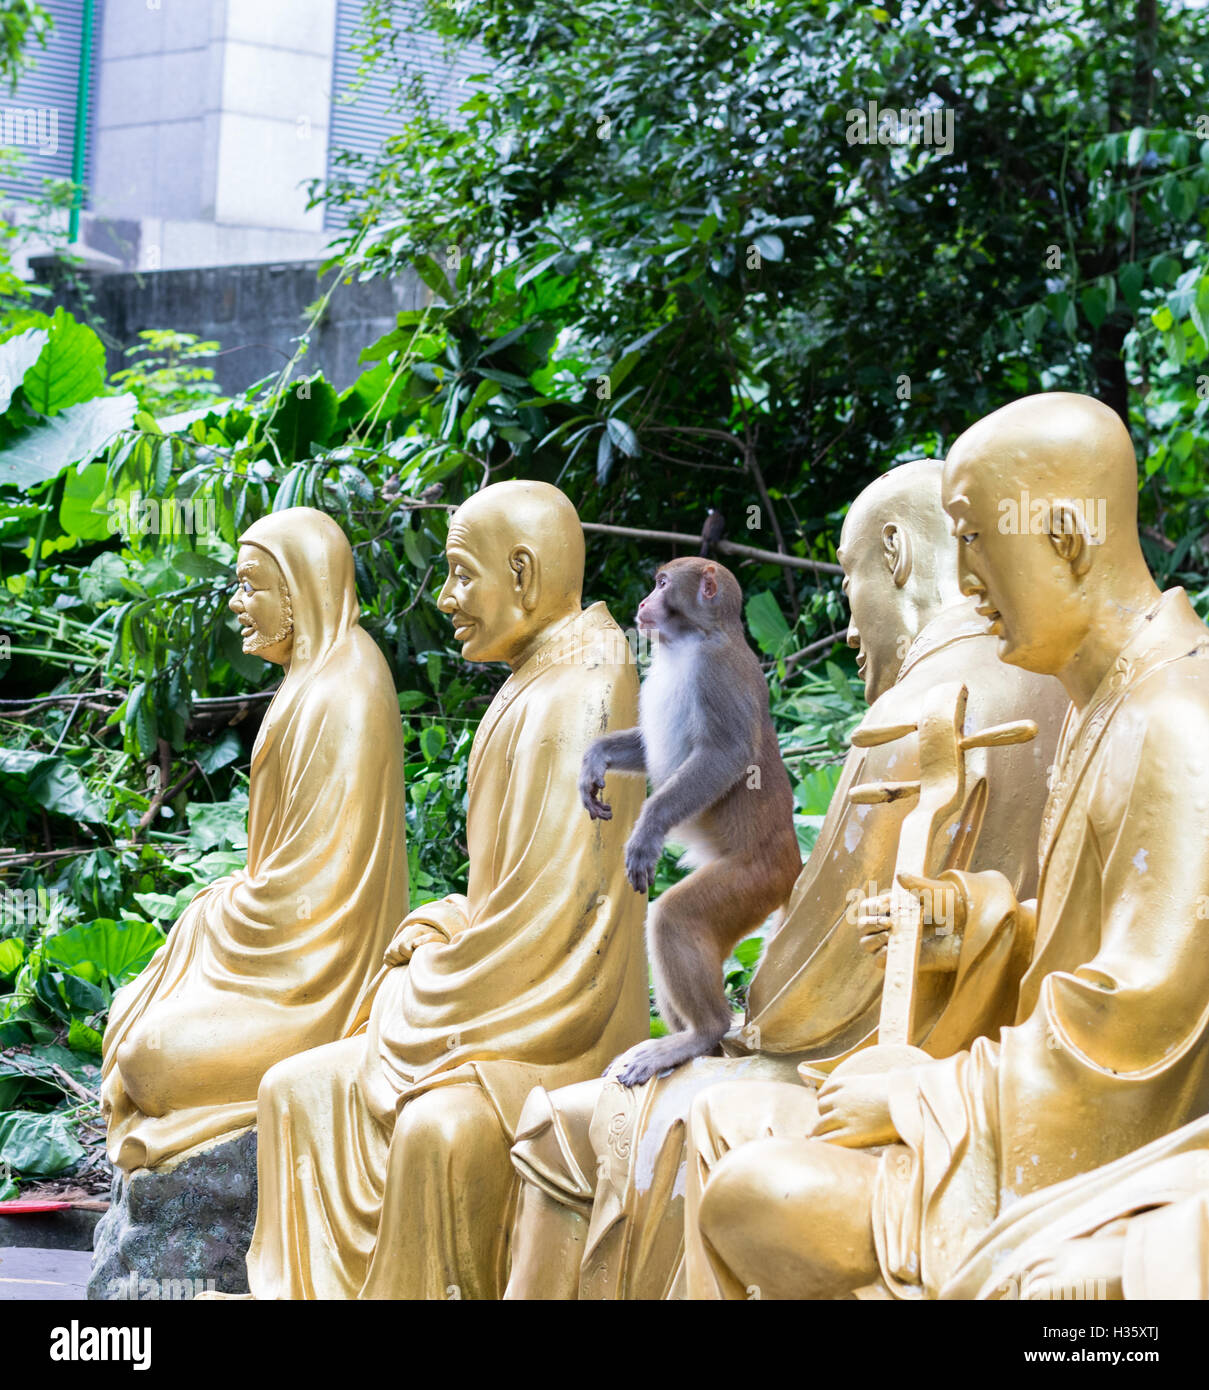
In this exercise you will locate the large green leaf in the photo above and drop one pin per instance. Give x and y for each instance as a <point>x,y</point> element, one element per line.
<point>84,511</point>
<point>766,622</point>
<point>103,579</point>
<point>69,369</point>
<point>17,355</point>
<point>40,1063</point>
<point>307,416</point>
<point>225,749</point>
<point>12,953</point>
<point>82,1038</point>
<point>53,783</point>
<point>196,564</point>
<point>75,435</point>
<point>119,949</point>
<point>38,1145</point>
<point>214,823</point>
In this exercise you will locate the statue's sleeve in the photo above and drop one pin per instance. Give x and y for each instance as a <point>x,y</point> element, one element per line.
<point>326,882</point>
<point>1140,1001</point>
<point>1167,1251</point>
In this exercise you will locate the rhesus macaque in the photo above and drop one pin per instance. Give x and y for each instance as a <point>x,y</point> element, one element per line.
<point>706,740</point>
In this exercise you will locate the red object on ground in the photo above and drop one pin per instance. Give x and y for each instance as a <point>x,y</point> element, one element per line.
<point>19,1208</point>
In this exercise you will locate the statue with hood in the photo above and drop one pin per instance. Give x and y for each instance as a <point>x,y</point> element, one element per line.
<point>274,959</point>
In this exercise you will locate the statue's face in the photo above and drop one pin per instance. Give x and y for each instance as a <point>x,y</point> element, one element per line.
<point>482,595</point>
<point>1020,583</point>
<point>261,602</point>
<point>879,614</point>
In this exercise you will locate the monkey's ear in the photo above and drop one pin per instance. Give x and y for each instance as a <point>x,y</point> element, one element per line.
<point>709,582</point>
<point>896,551</point>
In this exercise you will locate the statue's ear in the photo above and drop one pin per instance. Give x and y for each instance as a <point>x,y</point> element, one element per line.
<point>524,565</point>
<point>896,551</point>
<point>1070,535</point>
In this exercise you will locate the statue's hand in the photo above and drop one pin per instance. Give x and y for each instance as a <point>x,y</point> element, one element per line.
<point>408,938</point>
<point>945,911</point>
<point>591,783</point>
<point>855,1111</point>
<point>642,853</point>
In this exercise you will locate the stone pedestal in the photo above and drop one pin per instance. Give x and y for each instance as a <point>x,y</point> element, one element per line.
<point>171,1234</point>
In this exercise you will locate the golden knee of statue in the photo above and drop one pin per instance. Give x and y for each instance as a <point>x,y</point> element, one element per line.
<point>274,959</point>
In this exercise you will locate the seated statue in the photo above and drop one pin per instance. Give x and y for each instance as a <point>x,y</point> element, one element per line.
<point>273,959</point>
<point>602,1206</point>
<point>1134,1229</point>
<point>907,1169</point>
<point>383,1159</point>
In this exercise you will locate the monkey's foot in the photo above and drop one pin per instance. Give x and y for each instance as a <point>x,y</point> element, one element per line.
<point>659,1056</point>
<point>1089,1267</point>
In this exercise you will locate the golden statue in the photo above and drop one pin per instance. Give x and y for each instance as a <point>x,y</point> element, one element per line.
<point>1109,1051</point>
<point>1134,1229</point>
<point>383,1158</point>
<point>272,959</point>
<point>602,1209</point>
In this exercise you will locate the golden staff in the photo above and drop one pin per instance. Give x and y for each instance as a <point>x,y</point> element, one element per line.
<point>941,789</point>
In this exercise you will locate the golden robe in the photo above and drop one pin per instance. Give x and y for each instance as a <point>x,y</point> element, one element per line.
<point>1157,1199</point>
<point>273,959</point>
<point>383,1159</point>
<point>1111,1049</point>
<point>618,1156</point>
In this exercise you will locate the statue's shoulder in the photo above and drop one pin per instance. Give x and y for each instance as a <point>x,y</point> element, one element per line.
<point>355,675</point>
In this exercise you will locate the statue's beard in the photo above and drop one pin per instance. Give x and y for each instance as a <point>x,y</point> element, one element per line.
<point>257,641</point>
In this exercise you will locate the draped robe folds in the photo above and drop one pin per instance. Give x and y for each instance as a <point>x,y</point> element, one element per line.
<point>617,1156</point>
<point>384,1167</point>
<point>1110,1053</point>
<point>1156,1200</point>
<point>273,959</point>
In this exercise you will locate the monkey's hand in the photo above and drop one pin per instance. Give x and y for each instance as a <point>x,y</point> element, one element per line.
<point>642,853</point>
<point>855,1111</point>
<point>591,784</point>
<point>944,908</point>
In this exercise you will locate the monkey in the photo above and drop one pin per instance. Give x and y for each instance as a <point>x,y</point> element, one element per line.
<point>705,738</point>
<point>712,531</point>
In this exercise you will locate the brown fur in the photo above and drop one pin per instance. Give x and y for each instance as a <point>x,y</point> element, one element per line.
<point>705,729</point>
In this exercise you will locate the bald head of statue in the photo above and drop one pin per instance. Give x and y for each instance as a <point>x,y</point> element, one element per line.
<point>900,568</point>
<point>516,567</point>
<point>1043,497</point>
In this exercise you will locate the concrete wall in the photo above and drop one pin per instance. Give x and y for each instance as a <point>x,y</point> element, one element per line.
<point>255,309</point>
<point>211,116</point>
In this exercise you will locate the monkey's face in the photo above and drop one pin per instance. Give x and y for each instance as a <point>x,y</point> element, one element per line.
<point>673,608</point>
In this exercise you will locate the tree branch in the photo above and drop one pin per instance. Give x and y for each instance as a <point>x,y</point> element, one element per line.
<point>747,552</point>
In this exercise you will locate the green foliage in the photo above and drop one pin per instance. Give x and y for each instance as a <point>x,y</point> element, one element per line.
<point>23,23</point>
<point>166,375</point>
